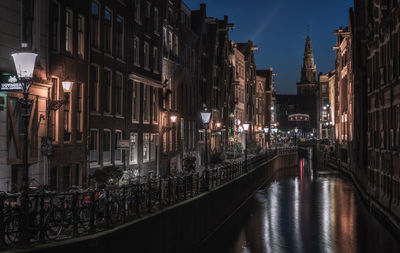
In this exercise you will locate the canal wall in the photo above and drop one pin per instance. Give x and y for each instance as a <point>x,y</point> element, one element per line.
<point>387,214</point>
<point>179,228</point>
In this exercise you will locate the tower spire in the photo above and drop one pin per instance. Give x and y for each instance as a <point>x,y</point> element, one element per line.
<point>308,79</point>
<point>309,70</point>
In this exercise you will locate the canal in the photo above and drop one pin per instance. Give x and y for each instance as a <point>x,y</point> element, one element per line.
<point>303,210</point>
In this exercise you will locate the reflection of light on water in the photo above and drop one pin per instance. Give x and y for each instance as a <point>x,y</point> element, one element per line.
<point>326,213</point>
<point>297,220</point>
<point>272,232</point>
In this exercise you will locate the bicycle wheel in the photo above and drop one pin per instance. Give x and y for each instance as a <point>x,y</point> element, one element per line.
<point>54,224</point>
<point>11,230</point>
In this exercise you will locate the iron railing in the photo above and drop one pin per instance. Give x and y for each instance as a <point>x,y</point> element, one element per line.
<point>57,216</point>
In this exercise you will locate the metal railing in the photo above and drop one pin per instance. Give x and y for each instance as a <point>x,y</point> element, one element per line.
<point>57,216</point>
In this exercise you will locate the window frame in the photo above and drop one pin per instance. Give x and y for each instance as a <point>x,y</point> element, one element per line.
<point>120,32</point>
<point>67,126</point>
<point>135,101</point>
<point>97,85</point>
<point>136,51</point>
<point>97,162</point>
<point>137,11</point>
<point>146,55</point>
<point>79,110</point>
<point>116,133</point>
<point>95,42</point>
<point>69,31</point>
<point>109,93</point>
<point>119,105</point>
<point>135,155</point>
<point>156,63</point>
<point>106,27</point>
<point>156,25</point>
<point>81,36</point>
<point>106,130</point>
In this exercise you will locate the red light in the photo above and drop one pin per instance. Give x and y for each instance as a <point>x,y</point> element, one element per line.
<point>306,118</point>
<point>301,117</point>
<point>296,117</point>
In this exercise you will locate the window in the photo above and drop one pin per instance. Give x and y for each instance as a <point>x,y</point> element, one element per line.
<point>133,148</point>
<point>149,147</point>
<point>95,24</point>
<point>107,30</point>
<point>107,91</point>
<point>137,11</point>
<point>146,55</point>
<point>156,21</point>
<point>94,89</point>
<point>68,31</point>
<point>81,36</point>
<point>165,43</point>
<point>106,146</point>
<point>53,113</point>
<point>146,104</point>
<point>147,18</point>
<point>67,117</point>
<point>169,44</point>
<point>155,59</point>
<point>119,96</point>
<point>155,105</point>
<point>117,151</point>
<point>93,146</point>
<point>136,48</point>
<point>146,148</point>
<point>148,9</point>
<point>55,26</point>
<point>79,110</point>
<point>176,44</point>
<point>135,102</point>
<point>120,38</point>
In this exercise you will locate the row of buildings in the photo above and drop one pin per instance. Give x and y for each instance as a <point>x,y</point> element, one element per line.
<point>121,84</point>
<point>363,94</point>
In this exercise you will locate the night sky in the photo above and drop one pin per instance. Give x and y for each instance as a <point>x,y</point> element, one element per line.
<point>279,29</point>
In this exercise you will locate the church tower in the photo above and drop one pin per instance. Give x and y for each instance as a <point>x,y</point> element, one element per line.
<point>308,81</point>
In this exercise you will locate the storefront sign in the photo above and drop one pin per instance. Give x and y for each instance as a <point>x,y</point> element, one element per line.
<point>11,85</point>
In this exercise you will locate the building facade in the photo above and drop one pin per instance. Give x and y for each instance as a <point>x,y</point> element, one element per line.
<point>344,100</point>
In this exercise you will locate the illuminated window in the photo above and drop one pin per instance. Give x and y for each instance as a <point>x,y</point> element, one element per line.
<point>133,148</point>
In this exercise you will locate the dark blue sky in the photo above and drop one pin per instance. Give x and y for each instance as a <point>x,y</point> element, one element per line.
<point>279,29</point>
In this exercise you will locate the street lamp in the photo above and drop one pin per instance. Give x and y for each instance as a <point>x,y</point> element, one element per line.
<point>266,129</point>
<point>205,117</point>
<point>173,118</point>
<point>246,129</point>
<point>24,65</point>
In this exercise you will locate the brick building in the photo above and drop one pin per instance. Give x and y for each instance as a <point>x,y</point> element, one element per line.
<point>344,101</point>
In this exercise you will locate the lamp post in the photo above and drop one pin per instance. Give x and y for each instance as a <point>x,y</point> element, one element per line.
<point>173,120</point>
<point>246,128</point>
<point>24,65</point>
<point>205,118</point>
<point>266,137</point>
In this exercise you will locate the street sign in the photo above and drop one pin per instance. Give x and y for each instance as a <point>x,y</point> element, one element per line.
<point>124,144</point>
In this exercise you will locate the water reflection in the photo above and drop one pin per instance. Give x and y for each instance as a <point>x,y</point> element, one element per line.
<point>304,212</point>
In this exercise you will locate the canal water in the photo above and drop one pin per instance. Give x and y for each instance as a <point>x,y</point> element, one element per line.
<point>304,210</point>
